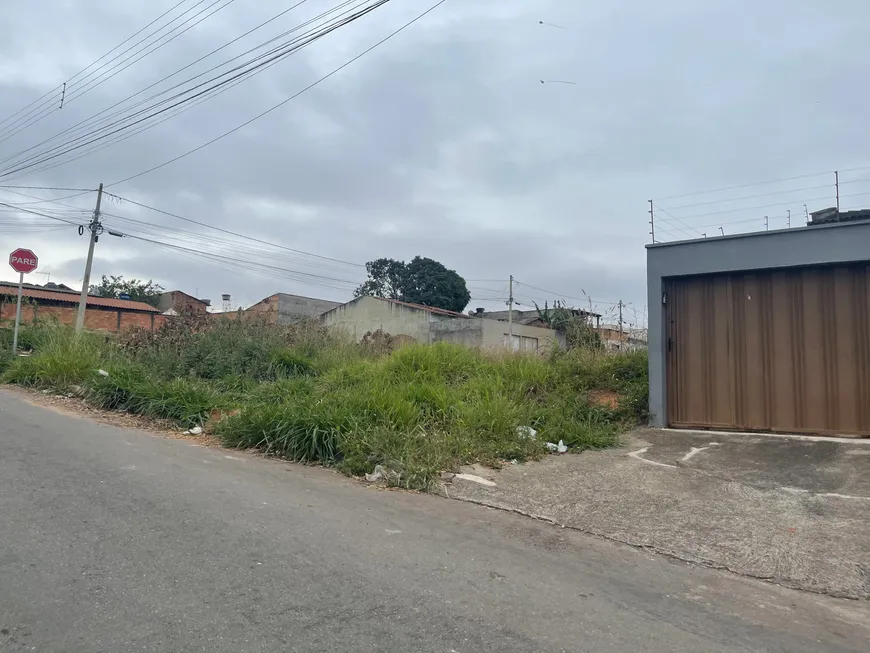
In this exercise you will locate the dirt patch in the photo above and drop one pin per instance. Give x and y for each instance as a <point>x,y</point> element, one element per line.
<point>604,398</point>
<point>216,417</point>
<point>79,407</point>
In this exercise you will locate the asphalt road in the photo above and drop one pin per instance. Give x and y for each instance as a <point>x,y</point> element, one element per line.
<point>114,540</point>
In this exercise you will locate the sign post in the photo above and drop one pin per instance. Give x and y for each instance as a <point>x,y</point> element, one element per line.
<point>22,261</point>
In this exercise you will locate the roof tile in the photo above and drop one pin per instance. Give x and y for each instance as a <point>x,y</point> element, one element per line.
<point>73,298</point>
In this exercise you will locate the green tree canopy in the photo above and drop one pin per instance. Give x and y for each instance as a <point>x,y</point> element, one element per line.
<point>422,281</point>
<point>140,291</point>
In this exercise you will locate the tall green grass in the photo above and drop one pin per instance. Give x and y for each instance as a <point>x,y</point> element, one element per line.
<point>313,397</point>
<point>62,360</point>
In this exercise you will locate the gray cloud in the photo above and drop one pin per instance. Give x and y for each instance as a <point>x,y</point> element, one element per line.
<point>444,143</point>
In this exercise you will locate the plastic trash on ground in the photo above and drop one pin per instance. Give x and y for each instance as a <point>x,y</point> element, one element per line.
<point>527,432</point>
<point>557,448</point>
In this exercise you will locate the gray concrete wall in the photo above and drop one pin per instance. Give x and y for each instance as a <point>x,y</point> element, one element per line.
<point>367,314</point>
<point>495,335</point>
<point>292,308</point>
<point>817,245</point>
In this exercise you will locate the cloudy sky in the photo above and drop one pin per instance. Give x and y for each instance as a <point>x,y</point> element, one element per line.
<point>441,142</point>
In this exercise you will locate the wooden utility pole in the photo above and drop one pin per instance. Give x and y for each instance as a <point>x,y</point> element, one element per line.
<point>837,189</point>
<point>96,229</point>
<point>652,222</point>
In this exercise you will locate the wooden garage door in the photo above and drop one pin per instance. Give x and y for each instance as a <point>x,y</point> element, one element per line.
<point>783,351</point>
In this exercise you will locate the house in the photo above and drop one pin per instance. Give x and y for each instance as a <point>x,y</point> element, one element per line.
<point>427,324</point>
<point>282,308</point>
<point>765,331</point>
<point>533,317</point>
<point>101,313</point>
<point>832,214</point>
<point>177,302</point>
<point>626,339</point>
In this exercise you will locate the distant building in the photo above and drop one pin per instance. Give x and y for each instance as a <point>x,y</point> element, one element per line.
<point>827,216</point>
<point>101,313</point>
<point>282,308</point>
<point>533,318</point>
<point>176,302</point>
<point>426,324</point>
<point>629,339</point>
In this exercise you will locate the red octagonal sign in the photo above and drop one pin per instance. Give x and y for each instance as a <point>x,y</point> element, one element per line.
<point>23,260</point>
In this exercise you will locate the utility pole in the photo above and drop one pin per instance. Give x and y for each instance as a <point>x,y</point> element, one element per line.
<point>652,222</point>
<point>789,218</point>
<point>511,313</point>
<point>837,188</point>
<point>96,229</point>
<point>620,324</point>
<point>766,224</point>
<point>807,213</point>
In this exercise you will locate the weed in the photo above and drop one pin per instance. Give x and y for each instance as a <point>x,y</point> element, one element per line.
<point>307,395</point>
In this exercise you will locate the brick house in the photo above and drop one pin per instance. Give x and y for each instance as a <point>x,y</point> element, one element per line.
<point>181,302</point>
<point>101,313</point>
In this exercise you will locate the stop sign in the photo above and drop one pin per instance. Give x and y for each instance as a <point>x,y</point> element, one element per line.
<point>23,261</point>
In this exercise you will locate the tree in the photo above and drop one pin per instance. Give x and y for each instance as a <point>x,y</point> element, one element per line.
<point>422,281</point>
<point>140,291</point>
<point>577,329</point>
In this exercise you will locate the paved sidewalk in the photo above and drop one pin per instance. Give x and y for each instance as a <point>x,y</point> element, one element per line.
<point>792,511</point>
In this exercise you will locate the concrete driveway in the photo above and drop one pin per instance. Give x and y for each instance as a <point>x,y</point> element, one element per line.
<point>795,511</point>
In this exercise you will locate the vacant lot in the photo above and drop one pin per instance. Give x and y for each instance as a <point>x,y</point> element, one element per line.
<point>308,395</point>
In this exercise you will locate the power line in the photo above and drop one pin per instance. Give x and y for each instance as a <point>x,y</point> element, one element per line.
<point>44,215</point>
<point>749,197</point>
<point>665,211</point>
<point>56,200</point>
<point>757,183</point>
<point>248,69</point>
<point>69,86</point>
<point>57,88</point>
<point>91,86</point>
<point>84,190</point>
<point>180,70</point>
<point>297,275</point>
<point>283,102</point>
<point>227,231</point>
<point>766,206</point>
<point>223,245</point>
<point>586,297</point>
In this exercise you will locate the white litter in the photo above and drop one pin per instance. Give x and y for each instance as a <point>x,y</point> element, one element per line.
<point>557,448</point>
<point>376,475</point>
<point>527,432</point>
<point>196,430</point>
<point>475,479</point>
<point>381,473</point>
<point>102,373</point>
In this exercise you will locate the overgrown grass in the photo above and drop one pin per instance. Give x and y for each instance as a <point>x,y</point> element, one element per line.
<point>62,360</point>
<point>310,396</point>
